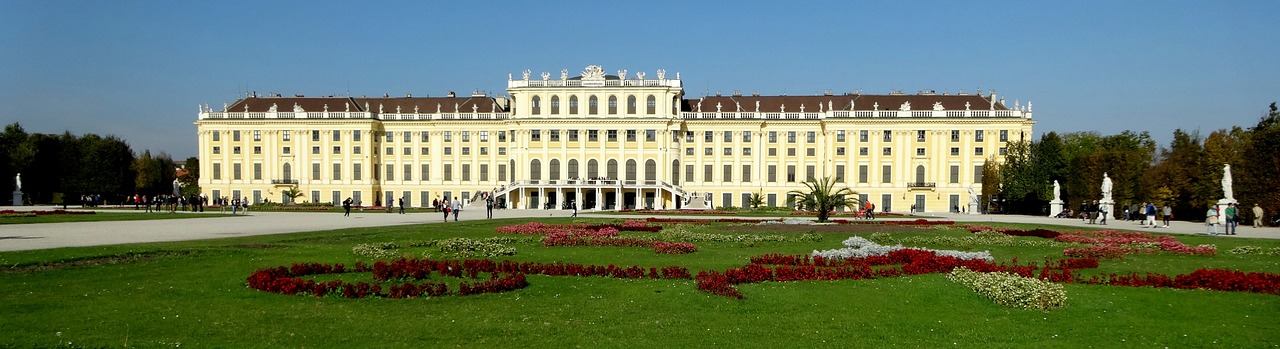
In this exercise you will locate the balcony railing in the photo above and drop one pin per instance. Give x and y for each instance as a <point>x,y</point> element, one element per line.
<point>921,185</point>
<point>284,181</point>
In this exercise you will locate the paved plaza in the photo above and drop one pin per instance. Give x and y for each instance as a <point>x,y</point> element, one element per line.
<point>19,237</point>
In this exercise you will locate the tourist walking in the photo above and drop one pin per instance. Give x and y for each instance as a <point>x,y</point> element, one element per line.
<point>346,207</point>
<point>1151,215</point>
<point>1257,216</point>
<point>1211,221</point>
<point>235,205</point>
<point>1231,218</point>
<point>401,202</point>
<point>1168,214</point>
<point>1102,211</point>
<point>488,207</point>
<point>456,208</point>
<point>444,207</point>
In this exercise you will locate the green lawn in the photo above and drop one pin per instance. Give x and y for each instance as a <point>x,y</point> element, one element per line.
<point>193,294</point>
<point>100,216</point>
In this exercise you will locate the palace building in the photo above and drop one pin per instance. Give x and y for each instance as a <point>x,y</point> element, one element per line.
<point>598,141</point>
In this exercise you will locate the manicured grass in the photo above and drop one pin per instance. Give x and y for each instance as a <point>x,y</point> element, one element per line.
<point>100,216</point>
<point>194,294</point>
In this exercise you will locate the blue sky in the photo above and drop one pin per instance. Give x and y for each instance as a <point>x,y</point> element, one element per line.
<point>138,69</point>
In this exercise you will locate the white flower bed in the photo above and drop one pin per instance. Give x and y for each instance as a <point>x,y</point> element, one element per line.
<point>1011,290</point>
<point>860,247</point>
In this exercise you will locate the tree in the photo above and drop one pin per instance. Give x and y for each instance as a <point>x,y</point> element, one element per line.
<point>292,193</point>
<point>757,199</point>
<point>191,179</point>
<point>822,195</point>
<point>990,182</point>
<point>1256,177</point>
<point>1024,187</point>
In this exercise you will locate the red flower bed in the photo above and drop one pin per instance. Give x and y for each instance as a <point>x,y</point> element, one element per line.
<point>1099,252</point>
<point>503,276</point>
<point>917,222</point>
<point>45,213</point>
<point>538,228</point>
<point>1206,279</point>
<point>678,212</point>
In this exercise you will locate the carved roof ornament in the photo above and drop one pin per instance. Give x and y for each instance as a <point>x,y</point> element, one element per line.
<point>829,108</point>
<point>738,105</point>
<point>246,107</point>
<point>455,108</point>
<point>757,106</point>
<point>783,107</point>
<point>474,107</point>
<point>937,106</point>
<point>966,105</point>
<point>348,106</point>
<point>224,107</point>
<point>415,109</point>
<point>905,106</point>
<point>593,72</point>
<point>366,106</point>
<point>298,108</point>
<point>819,107</point>
<point>546,76</point>
<point>1028,106</point>
<point>526,74</point>
<point>273,108</point>
<point>717,107</point>
<point>438,107</point>
<point>326,107</point>
<point>640,75</point>
<point>875,106</point>
<point>622,74</point>
<point>380,108</point>
<point>801,107</point>
<point>397,109</point>
<point>677,75</point>
<point>662,74</point>
<point>564,74</point>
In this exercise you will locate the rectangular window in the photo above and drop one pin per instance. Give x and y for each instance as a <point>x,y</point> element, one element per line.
<point>955,135</point>
<point>977,151</point>
<point>791,136</point>
<point>810,172</point>
<point>315,196</point>
<point>791,151</point>
<point>840,136</point>
<point>448,135</point>
<point>406,136</point>
<point>286,150</point>
<point>466,150</point>
<point>773,173</point>
<point>484,150</point>
<point>573,135</point>
<point>424,151</point>
<point>337,198</point>
<point>217,136</point>
<point>257,171</point>
<point>1004,151</point>
<point>888,136</point>
<point>355,135</point>
<point>448,150</point>
<point>315,135</point>
<point>466,136</point>
<point>484,135</point>
<point>919,151</point>
<point>448,172</point>
<point>887,151</point>
<point>773,136</point>
<point>484,172</point>
<point>772,200</point>
<point>862,173</point>
<point>502,172</point>
<point>235,172</point>
<point>1004,135</point>
<point>955,151</point>
<point>746,136</point>
<point>391,172</point>
<point>391,151</point>
<point>611,136</point>
<point>955,174</point>
<point>810,152</point>
<point>862,136</point>
<point>337,150</point>
<point>863,151</point>
<point>727,175</point>
<point>406,151</point>
<point>839,151</point>
<point>839,173</point>
<point>235,150</point>
<point>746,151</point>
<point>726,199</point>
<point>534,135</point>
<point>555,135</point>
<point>315,171</point>
<point>706,151</point>
<point>502,150</point>
<point>746,200</point>
<point>886,174</point>
<point>688,173</point>
<point>235,136</point>
<point>919,135</point>
<point>337,136</point>
<point>791,173</point>
<point>424,174</point>
<point>466,172</point>
<point>707,136</point>
<point>706,173</point>
<point>688,151</point>
<point>688,136</point>
<point>502,136</point>
<point>728,136</point>
<point>217,150</point>
<point>593,135</point>
<point>728,151</point>
<point>356,150</point>
<point>631,135</point>
<point>811,137</point>
<point>337,172</point>
<point>217,172</point>
<point>391,137</point>
<point>257,149</point>
<point>978,136</point>
<point>746,173</point>
<point>773,151</point>
<point>650,135</point>
<point>285,135</point>
<point>357,172</point>
<point>315,150</point>
<point>977,174</point>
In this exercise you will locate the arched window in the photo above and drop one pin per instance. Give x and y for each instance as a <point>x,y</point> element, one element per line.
<point>919,173</point>
<point>631,105</point>
<point>555,105</point>
<point>287,172</point>
<point>593,169</point>
<point>675,172</point>
<point>537,105</point>
<point>573,105</point>
<point>631,169</point>
<point>573,169</point>
<point>613,105</point>
<point>512,170</point>
<point>611,169</point>
<point>555,169</point>
<point>593,105</point>
<point>651,105</point>
<point>535,169</point>
<point>650,170</point>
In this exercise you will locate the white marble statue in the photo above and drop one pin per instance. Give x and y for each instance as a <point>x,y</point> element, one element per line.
<point>1227,193</point>
<point>17,182</point>
<point>1106,187</point>
<point>1057,191</point>
<point>176,186</point>
<point>973,197</point>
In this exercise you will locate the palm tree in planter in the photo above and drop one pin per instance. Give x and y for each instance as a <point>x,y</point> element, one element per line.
<point>293,194</point>
<point>822,195</point>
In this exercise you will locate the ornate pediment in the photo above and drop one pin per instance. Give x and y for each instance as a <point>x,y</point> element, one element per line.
<point>593,72</point>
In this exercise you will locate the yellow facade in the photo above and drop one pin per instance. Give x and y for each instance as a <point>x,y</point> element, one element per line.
<point>600,141</point>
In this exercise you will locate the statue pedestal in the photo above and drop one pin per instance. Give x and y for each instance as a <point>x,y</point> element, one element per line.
<point>1055,207</point>
<point>973,208</point>
<point>17,198</point>
<point>1106,206</point>
<point>1224,202</point>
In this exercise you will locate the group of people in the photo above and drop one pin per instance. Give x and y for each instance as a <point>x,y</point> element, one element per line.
<point>173,203</point>
<point>1229,217</point>
<point>1090,211</point>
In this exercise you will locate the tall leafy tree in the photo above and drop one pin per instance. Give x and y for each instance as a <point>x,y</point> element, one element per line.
<point>191,179</point>
<point>1257,178</point>
<point>990,183</point>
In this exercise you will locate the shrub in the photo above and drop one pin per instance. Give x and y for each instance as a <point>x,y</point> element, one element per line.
<point>1011,290</point>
